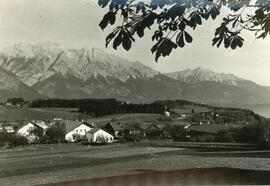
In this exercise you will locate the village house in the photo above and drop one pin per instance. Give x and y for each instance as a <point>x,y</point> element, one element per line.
<point>41,124</point>
<point>132,132</point>
<point>167,113</point>
<point>98,135</point>
<point>151,130</point>
<point>7,128</point>
<point>114,129</point>
<point>76,130</point>
<point>28,130</point>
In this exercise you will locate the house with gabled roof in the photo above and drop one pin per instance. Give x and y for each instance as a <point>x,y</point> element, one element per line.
<point>98,135</point>
<point>28,130</point>
<point>76,130</point>
<point>41,124</point>
<point>151,130</point>
<point>114,128</point>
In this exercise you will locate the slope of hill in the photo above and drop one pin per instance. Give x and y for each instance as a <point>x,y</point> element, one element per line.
<point>10,86</point>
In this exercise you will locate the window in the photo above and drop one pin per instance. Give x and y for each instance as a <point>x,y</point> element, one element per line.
<point>80,130</point>
<point>77,130</point>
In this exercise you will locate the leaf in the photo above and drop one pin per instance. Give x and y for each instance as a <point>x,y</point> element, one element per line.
<point>109,17</point>
<point>140,32</point>
<point>215,40</point>
<point>157,35</point>
<point>126,43</point>
<point>188,37</point>
<point>234,43</point>
<point>220,41</point>
<point>227,42</point>
<point>103,23</point>
<point>214,12</point>
<point>111,36</point>
<point>180,40</point>
<point>155,47</point>
<point>182,25</point>
<point>103,3</point>
<point>118,40</point>
<point>140,7</point>
<point>163,47</point>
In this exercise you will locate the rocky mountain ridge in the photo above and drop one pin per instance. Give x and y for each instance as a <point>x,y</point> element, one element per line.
<point>49,70</point>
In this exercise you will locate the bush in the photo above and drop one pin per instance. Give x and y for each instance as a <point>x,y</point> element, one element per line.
<point>225,137</point>
<point>55,134</point>
<point>12,140</point>
<point>206,138</point>
<point>101,140</point>
<point>176,132</point>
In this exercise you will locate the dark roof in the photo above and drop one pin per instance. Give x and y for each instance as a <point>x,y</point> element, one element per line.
<point>129,126</point>
<point>115,126</point>
<point>27,122</point>
<point>209,128</point>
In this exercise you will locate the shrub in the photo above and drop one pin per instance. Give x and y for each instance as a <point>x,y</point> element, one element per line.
<point>55,134</point>
<point>176,132</point>
<point>225,137</point>
<point>12,139</point>
<point>101,139</point>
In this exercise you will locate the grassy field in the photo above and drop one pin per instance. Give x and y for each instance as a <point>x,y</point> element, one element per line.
<point>19,114</point>
<point>128,117</point>
<point>74,164</point>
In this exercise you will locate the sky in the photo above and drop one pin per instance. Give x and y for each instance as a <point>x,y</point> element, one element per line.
<point>74,24</point>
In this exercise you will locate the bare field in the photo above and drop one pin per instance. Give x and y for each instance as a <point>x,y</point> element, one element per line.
<point>74,164</point>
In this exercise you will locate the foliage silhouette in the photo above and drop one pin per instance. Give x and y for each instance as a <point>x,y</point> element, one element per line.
<point>173,21</point>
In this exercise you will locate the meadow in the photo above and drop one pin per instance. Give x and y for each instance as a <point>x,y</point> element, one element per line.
<point>130,164</point>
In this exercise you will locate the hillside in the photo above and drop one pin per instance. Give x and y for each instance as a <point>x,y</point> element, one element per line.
<point>10,86</point>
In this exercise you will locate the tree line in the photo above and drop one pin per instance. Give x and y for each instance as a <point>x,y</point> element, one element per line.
<point>99,107</point>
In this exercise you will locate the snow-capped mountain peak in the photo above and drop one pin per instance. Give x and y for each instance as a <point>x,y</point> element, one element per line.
<point>35,63</point>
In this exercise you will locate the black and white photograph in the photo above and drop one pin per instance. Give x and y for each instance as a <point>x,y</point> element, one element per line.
<point>134,92</point>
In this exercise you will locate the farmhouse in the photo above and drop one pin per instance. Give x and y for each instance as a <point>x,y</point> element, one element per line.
<point>114,128</point>
<point>41,124</point>
<point>98,135</point>
<point>132,132</point>
<point>76,130</point>
<point>28,131</point>
<point>151,130</point>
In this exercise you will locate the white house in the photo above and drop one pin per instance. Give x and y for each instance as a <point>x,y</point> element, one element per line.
<point>27,131</point>
<point>75,130</point>
<point>9,129</point>
<point>96,134</point>
<point>167,113</point>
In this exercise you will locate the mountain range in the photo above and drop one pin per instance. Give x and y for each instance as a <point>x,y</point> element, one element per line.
<point>47,70</point>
